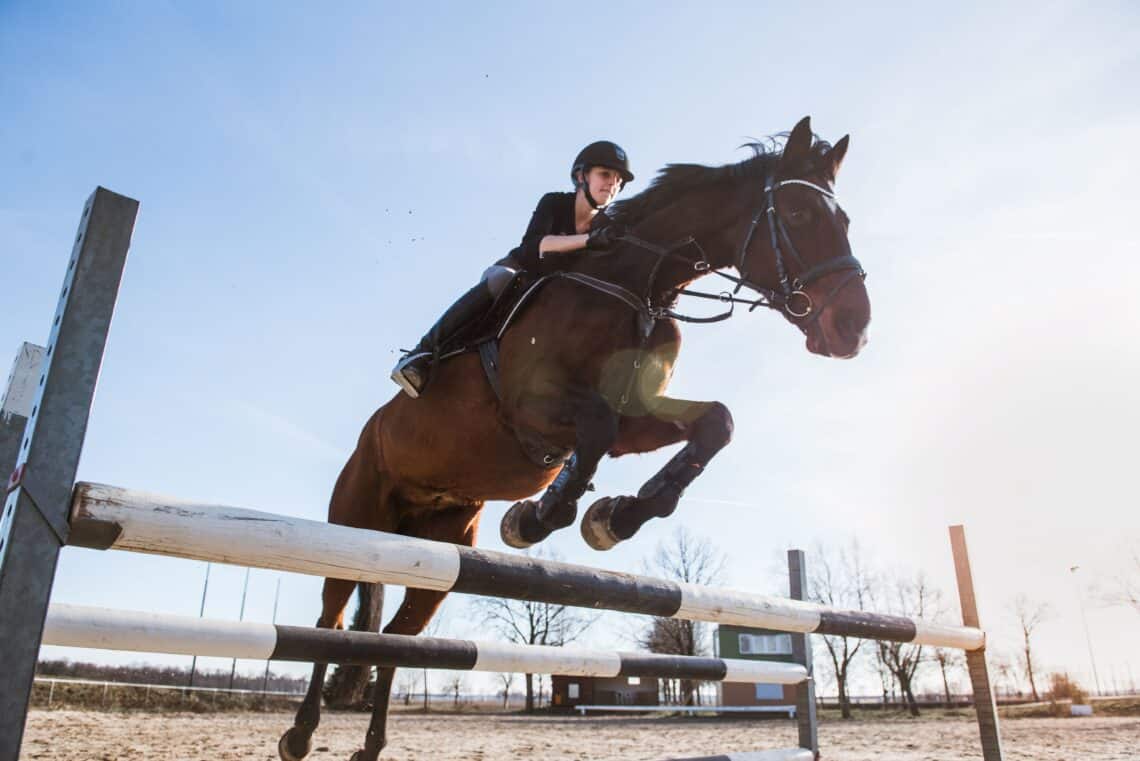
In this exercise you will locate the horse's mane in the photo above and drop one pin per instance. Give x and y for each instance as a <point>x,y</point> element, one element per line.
<point>676,180</point>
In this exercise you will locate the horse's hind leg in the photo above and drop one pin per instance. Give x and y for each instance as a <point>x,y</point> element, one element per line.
<point>296,743</point>
<point>456,525</point>
<point>528,522</point>
<point>708,428</point>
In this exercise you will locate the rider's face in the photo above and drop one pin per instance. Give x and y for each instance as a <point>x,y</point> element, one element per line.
<point>604,184</point>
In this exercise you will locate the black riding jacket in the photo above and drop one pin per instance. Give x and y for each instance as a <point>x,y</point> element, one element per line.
<point>554,215</point>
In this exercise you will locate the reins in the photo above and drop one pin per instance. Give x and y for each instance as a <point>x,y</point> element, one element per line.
<point>791,289</point>
<point>701,265</point>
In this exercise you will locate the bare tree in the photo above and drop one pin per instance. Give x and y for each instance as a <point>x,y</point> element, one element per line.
<point>886,677</point>
<point>455,683</point>
<point>1127,591</point>
<point>534,623</point>
<point>948,660</point>
<point>911,599</point>
<point>694,561</point>
<point>405,685</point>
<point>674,636</point>
<point>840,579</point>
<point>506,677</point>
<point>1004,673</point>
<point>1029,615</point>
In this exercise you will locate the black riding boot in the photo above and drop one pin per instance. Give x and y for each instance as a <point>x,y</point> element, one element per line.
<point>411,372</point>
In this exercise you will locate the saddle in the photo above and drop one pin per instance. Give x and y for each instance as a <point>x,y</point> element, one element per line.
<point>483,336</point>
<point>492,324</point>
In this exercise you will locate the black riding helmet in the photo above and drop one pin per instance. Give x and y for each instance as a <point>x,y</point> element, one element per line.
<point>602,153</point>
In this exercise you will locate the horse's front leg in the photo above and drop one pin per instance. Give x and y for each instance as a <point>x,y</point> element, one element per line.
<point>707,426</point>
<point>596,430</point>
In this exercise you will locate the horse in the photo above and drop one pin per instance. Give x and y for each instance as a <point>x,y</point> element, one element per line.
<point>583,368</point>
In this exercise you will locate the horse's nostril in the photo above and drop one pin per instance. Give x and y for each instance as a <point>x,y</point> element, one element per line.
<point>847,325</point>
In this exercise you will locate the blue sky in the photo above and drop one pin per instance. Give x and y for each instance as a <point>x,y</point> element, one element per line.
<point>317,185</point>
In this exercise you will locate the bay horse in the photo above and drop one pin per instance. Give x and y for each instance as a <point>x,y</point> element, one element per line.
<point>583,369</point>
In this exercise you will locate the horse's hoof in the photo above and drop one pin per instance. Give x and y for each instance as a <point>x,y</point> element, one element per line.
<point>596,523</point>
<point>293,748</point>
<point>511,529</point>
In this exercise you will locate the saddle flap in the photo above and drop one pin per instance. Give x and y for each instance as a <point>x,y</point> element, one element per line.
<point>490,325</point>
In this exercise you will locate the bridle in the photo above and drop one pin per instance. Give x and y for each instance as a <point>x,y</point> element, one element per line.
<point>791,291</point>
<point>792,288</point>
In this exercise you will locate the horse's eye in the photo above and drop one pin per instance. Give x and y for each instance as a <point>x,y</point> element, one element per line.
<point>799,217</point>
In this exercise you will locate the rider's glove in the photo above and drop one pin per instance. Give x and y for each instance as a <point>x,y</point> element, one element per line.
<point>606,236</point>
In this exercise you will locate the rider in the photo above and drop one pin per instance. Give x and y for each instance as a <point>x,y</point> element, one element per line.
<point>561,223</point>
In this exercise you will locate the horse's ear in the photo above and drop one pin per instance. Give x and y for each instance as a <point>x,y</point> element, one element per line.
<point>836,154</point>
<point>798,146</point>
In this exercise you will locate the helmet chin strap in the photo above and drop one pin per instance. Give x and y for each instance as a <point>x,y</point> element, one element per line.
<point>585,186</point>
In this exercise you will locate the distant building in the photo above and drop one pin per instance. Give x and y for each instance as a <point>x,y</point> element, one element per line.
<point>570,691</point>
<point>754,645</point>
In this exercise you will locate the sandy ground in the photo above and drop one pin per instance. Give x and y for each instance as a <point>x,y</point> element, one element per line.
<point>81,735</point>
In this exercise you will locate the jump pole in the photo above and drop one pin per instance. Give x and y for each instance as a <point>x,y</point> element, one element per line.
<point>34,522</point>
<point>110,517</point>
<point>103,628</point>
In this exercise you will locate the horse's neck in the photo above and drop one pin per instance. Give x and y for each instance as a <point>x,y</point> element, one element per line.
<point>638,269</point>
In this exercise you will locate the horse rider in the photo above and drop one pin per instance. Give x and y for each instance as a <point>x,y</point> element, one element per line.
<point>561,223</point>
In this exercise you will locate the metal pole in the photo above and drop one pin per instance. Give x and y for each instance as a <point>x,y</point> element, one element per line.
<point>276,596</point>
<point>806,718</point>
<point>201,612</point>
<point>241,617</point>
<point>984,703</point>
<point>1084,620</point>
<point>34,522</point>
<point>17,404</point>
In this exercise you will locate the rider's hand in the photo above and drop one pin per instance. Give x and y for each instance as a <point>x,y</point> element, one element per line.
<point>606,236</point>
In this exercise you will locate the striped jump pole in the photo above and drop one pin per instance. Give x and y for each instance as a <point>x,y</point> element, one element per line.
<point>103,628</point>
<point>109,517</point>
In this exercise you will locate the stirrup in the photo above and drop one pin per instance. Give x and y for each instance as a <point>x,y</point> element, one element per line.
<point>407,376</point>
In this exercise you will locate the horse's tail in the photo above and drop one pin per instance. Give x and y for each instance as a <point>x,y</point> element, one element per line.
<point>348,685</point>
<point>370,604</point>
